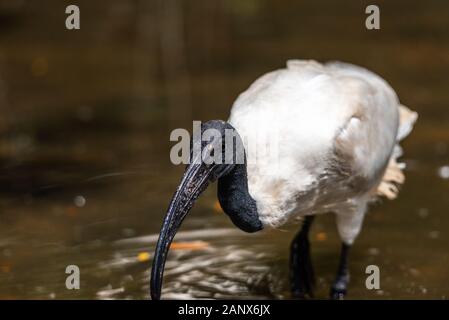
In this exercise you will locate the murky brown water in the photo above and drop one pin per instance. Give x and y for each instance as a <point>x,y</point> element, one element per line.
<point>86,117</point>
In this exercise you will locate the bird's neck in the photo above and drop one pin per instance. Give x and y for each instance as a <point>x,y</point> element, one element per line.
<point>236,201</point>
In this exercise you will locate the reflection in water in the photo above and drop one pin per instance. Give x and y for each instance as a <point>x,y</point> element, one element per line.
<point>85,120</point>
<point>216,269</point>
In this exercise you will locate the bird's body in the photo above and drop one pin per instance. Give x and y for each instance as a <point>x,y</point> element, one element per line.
<point>316,138</point>
<point>331,131</point>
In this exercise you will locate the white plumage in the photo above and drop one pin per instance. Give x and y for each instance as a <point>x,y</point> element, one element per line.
<point>332,130</point>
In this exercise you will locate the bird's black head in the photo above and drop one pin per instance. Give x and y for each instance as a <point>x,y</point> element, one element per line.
<point>213,150</point>
<point>215,153</point>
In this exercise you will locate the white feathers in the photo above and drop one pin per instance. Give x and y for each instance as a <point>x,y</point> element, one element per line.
<point>407,120</point>
<point>394,176</point>
<point>331,130</point>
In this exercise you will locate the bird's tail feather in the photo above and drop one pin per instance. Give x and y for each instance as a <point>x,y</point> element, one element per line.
<point>394,176</point>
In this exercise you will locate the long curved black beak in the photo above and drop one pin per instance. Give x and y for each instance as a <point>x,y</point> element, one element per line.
<point>195,180</point>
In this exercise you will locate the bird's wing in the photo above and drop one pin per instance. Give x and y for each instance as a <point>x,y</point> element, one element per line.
<point>376,103</point>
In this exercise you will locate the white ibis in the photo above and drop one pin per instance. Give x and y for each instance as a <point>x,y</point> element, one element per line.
<point>337,127</point>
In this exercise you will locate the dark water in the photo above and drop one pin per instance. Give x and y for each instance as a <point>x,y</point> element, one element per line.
<point>85,175</point>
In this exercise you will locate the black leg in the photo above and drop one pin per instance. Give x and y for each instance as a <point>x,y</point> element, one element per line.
<point>339,288</point>
<point>302,279</point>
